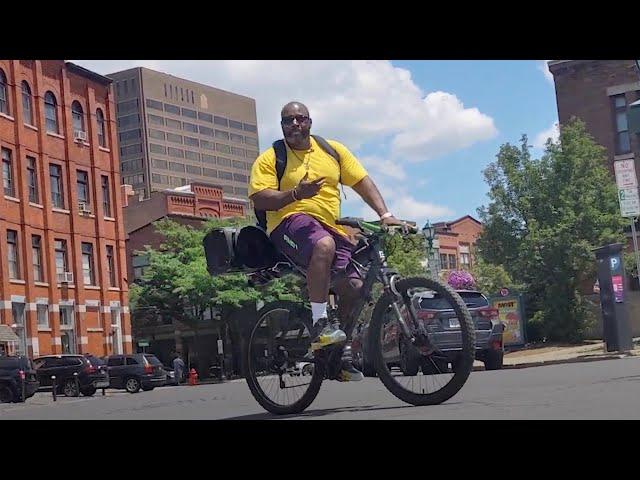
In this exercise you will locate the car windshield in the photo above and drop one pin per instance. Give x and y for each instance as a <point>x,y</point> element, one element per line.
<point>472,299</point>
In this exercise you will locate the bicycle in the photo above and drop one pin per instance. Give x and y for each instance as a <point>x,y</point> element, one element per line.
<point>281,336</point>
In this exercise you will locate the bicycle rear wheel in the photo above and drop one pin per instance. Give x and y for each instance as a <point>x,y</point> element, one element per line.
<point>435,368</point>
<point>277,344</point>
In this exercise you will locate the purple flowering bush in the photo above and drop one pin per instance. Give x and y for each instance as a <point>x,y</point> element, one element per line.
<point>461,280</point>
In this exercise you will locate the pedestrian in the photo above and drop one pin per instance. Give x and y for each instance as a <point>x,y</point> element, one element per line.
<point>178,369</point>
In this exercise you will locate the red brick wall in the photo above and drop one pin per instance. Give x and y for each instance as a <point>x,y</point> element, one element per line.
<point>41,219</point>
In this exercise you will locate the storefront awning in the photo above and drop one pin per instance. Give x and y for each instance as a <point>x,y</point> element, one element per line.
<point>7,335</point>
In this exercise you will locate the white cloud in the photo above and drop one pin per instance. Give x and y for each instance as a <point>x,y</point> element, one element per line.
<point>355,102</point>
<point>552,132</point>
<point>383,167</point>
<point>441,125</point>
<point>543,66</point>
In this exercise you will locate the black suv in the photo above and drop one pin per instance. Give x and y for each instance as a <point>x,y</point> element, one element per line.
<point>135,371</point>
<point>18,379</point>
<point>90,377</point>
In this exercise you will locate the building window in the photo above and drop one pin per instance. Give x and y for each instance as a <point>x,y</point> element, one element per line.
<point>623,144</point>
<point>77,116</point>
<point>156,163</point>
<point>187,112</point>
<point>222,134</point>
<point>174,138</point>
<point>88,273</point>
<point>156,105</point>
<point>194,170</point>
<point>225,162</point>
<point>62,261</point>
<point>27,107</point>
<point>134,149</point>
<point>209,172</point>
<point>106,201</point>
<point>130,135</point>
<point>238,177</point>
<point>221,147</point>
<point>43,315</point>
<point>195,156</point>
<point>176,167</point>
<point>190,127</point>
<point>205,117</point>
<point>208,159</point>
<point>251,141</point>
<point>220,121</point>
<point>83,187</point>
<point>237,138</point>
<point>153,119</point>
<point>51,112</point>
<point>452,262</point>
<point>102,137</point>
<point>127,107</point>
<point>55,176</point>
<point>465,261</point>
<point>12,254</point>
<point>225,175</point>
<point>111,266</point>
<point>234,124</point>
<point>175,152</point>
<point>4,98</point>
<point>171,109</point>
<point>7,173</point>
<point>36,256</point>
<point>174,124</point>
<point>249,128</point>
<point>32,179</point>
<point>156,134</point>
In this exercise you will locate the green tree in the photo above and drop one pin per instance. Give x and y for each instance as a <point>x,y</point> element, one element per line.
<point>543,219</point>
<point>490,278</point>
<point>405,253</point>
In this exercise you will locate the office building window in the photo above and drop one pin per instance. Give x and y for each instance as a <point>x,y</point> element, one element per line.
<point>102,135</point>
<point>206,131</point>
<point>171,109</point>
<point>156,105</point>
<point>83,186</point>
<point>205,117</point>
<point>190,127</point>
<point>153,120</point>
<point>189,113</point>
<point>62,261</point>
<point>155,163</point>
<point>195,156</point>
<point>77,116</point>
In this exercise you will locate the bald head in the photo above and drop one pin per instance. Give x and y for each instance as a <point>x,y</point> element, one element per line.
<point>296,125</point>
<point>294,108</point>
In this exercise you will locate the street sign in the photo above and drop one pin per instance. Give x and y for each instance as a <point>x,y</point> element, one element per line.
<point>504,292</point>
<point>629,202</point>
<point>143,343</point>
<point>625,173</point>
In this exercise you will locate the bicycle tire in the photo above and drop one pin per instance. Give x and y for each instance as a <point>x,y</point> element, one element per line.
<point>250,372</point>
<point>466,358</point>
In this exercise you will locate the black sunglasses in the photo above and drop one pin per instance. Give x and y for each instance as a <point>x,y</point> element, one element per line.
<point>288,120</point>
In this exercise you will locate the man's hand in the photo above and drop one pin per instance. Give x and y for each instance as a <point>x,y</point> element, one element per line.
<point>392,221</point>
<point>307,189</point>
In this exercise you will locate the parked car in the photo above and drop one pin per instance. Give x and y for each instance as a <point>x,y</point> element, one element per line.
<point>18,380</point>
<point>444,332</point>
<point>135,371</point>
<point>89,377</point>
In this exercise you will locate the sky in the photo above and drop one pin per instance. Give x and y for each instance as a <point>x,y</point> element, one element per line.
<point>424,130</point>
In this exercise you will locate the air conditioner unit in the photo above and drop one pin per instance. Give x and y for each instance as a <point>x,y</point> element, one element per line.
<point>65,277</point>
<point>79,136</point>
<point>84,208</point>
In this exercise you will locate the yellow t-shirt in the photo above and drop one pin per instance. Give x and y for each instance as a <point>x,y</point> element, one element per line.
<point>325,205</point>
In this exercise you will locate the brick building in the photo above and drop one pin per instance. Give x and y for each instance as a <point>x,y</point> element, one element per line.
<point>599,92</point>
<point>61,227</point>
<point>456,243</point>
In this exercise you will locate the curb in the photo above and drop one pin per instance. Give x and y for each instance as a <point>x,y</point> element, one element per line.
<point>584,359</point>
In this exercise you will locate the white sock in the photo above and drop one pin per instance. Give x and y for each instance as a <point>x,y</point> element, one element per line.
<point>318,311</point>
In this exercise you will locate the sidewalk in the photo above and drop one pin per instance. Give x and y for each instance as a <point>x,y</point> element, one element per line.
<point>550,354</point>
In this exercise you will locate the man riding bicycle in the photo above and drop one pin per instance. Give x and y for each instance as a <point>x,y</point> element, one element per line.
<point>302,208</point>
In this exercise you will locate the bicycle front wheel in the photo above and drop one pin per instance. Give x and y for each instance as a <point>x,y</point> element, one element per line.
<point>435,366</point>
<point>275,359</point>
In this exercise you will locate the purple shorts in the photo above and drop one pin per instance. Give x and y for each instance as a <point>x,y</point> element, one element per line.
<point>296,236</point>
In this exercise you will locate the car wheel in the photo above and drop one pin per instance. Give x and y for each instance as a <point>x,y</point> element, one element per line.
<point>148,389</point>
<point>132,385</point>
<point>88,391</point>
<point>493,359</point>
<point>71,388</point>
<point>6,394</point>
<point>307,369</point>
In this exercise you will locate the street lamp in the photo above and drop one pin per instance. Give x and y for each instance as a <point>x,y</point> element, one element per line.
<point>429,233</point>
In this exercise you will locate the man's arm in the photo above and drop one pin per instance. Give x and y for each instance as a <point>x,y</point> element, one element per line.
<point>272,200</point>
<point>371,195</point>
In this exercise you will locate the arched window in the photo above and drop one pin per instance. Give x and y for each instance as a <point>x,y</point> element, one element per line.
<point>51,112</point>
<point>102,138</point>
<point>27,109</point>
<point>4,98</point>
<point>77,115</point>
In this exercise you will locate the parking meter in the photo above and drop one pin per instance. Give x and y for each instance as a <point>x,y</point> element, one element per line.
<point>611,277</point>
